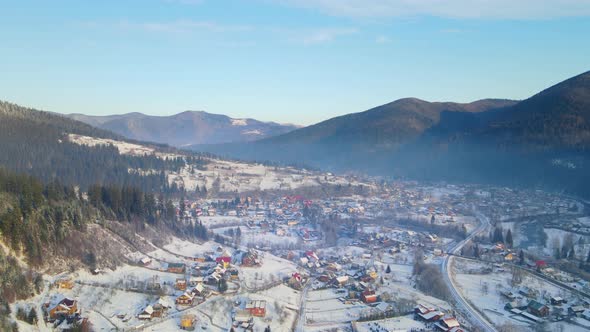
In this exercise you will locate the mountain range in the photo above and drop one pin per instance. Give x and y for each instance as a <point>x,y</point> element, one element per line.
<point>542,140</point>
<point>186,128</point>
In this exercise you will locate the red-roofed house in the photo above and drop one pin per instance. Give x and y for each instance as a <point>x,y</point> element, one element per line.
<point>449,325</point>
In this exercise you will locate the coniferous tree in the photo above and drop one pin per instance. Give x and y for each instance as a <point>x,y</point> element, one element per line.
<point>509,241</point>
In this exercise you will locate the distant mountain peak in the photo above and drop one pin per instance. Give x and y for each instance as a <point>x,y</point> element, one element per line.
<point>186,128</point>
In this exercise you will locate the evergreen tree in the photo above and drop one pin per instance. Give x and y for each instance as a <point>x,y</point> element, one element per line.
<point>509,241</point>
<point>388,269</point>
<point>222,285</point>
<point>572,254</point>
<point>32,316</point>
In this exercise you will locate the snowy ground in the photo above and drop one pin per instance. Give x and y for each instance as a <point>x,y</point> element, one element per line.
<point>234,176</point>
<point>483,291</point>
<point>404,323</point>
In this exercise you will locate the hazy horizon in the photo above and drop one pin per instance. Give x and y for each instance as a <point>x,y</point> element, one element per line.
<point>290,61</point>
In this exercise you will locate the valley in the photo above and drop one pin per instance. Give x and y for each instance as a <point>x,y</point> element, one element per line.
<point>366,253</point>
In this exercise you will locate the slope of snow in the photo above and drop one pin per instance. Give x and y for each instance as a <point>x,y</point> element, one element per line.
<point>239,122</point>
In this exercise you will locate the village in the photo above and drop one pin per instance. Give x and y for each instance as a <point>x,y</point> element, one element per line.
<point>356,262</point>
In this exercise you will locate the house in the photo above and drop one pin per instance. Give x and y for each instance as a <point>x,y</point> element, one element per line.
<point>160,308</point>
<point>147,313</point>
<point>185,299</point>
<point>199,290</point>
<point>538,309</point>
<point>576,310</point>
<point>556,300</point>
<point>368,296</point>
<point>422,309</point>
<point>180,284</point>
<point>431,316</point>
<point>176,268</point>
<point>224,259</point>
<point>66,283</point>
<point>187,322</point>
<point>242,316</point>
<point>427,314</point>
<point>250,258</point>
<point>256,308</point>
<point>64,308</point>
<point>193,281</point>
<point>213,279</point>
<point>528,292</point>
<point>448,325</point>
<point>516,304</point>
<point>145,261</point>
<point>509,295</point>
<point>340,281</point>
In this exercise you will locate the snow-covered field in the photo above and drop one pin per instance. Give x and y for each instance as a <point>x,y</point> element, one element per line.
<point>405,323</point>
<point>233,176</point>
<point>483,291</point>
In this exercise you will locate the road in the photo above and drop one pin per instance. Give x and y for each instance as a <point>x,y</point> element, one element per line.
<point>301,318</point>
<point>462,305</point>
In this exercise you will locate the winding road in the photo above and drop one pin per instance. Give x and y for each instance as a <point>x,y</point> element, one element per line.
<point>463,305</point>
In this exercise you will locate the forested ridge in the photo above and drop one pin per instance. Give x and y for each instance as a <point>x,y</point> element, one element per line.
<point>34,142</point>
<point>41,222</point>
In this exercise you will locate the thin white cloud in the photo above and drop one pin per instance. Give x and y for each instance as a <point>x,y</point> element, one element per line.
<point>382,39</point>
<point>182,26</point>
<point>186,2</point>
<point>496,9</point>
<point>321,36</point>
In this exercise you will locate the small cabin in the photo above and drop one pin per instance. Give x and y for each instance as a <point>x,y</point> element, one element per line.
<point>256,308</point>
<point>188,322</point>
<point>66,283</point>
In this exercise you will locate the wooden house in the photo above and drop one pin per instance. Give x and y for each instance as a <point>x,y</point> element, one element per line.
<point>448,325</point>
<point>160,308</point>
<point>188,322</point>
<point>147,313</point>
<point>64,308</point>
<point>176,268</point>
<point>368,296</point>
<point>199,290</point>
<point>145,261</point>
<point>185,299</point>
<point>66,283</point>
<point>427,314</point>
<point>256,308</point>
<point>180,284</point>
<point>538,309</point>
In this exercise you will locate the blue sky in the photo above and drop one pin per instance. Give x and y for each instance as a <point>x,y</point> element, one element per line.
<point>298,61</point>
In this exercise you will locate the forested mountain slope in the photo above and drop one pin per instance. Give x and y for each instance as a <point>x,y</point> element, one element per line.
<point>36,143</point>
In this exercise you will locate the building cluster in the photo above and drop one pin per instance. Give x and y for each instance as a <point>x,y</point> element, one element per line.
<point>529,303</point>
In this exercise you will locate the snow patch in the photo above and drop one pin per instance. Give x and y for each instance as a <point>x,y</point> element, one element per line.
<point>239,122</point>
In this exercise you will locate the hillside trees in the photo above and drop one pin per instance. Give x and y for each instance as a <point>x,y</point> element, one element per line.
<point>36,143</point>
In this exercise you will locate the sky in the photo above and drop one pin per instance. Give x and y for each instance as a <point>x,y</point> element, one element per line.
<point>288,61</point>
